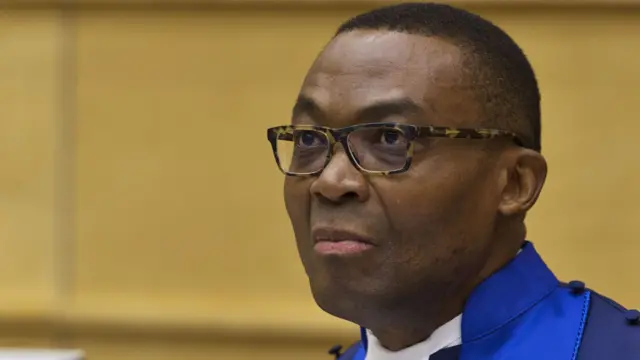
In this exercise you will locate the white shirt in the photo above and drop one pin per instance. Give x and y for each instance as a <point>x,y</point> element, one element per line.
<point>447,335</point>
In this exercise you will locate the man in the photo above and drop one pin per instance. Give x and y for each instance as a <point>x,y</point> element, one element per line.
<point>412,159</point>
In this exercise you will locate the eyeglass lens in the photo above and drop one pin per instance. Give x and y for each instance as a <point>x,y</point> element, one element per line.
<point>375,149</point>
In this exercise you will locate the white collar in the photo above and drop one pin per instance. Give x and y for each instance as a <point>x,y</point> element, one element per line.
<point>447,335</point>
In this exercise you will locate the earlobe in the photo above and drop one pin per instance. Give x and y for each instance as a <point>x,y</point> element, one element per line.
<point>525,179</point>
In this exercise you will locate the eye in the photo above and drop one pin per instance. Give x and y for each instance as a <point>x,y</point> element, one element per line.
<point>392,137</point>
<point>309,138</point>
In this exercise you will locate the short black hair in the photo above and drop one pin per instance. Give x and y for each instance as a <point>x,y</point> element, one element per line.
<point>507,84</point>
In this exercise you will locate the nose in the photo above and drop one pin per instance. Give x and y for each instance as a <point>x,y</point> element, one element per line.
<point>340,181</point>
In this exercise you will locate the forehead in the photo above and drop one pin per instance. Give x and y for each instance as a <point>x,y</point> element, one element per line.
<point>364,67</point>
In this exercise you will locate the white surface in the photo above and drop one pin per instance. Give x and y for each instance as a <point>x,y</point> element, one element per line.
<point>40,354</point>
<point>447,335</point>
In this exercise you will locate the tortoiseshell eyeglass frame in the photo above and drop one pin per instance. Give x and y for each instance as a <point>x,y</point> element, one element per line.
<point>410,132</point>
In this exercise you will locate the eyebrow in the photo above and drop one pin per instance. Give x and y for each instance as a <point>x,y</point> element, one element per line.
<point>373,112</point>
<point>306,106</point>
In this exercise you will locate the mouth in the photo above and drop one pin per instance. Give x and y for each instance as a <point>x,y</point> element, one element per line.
<point>334,241</point>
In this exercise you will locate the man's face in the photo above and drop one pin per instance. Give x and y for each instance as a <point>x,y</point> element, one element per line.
<point>429,228</point>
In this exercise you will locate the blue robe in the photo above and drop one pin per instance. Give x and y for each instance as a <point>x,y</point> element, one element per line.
<point>522,312</point>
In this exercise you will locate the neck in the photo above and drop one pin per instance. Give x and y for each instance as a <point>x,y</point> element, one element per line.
<point>415,324</point>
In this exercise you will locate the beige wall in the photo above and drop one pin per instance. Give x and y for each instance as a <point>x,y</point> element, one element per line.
<point>140,208</point>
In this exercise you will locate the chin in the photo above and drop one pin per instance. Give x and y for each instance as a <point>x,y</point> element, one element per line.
<point>349,300</point>
<point>351,289</point>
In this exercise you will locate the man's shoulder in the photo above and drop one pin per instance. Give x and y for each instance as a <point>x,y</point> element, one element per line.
<point>611,331</point>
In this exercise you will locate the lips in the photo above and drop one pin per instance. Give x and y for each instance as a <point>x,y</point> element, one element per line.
<point>334,241</point>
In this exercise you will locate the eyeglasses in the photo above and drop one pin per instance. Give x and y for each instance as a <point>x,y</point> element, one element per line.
<point>376,148</point>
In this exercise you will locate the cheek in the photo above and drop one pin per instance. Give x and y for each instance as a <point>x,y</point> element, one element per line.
<point>439,209</point>
<point>435,232</point>
<point>296,201</point>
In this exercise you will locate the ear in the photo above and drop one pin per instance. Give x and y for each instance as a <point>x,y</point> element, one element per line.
<point>524,177</point>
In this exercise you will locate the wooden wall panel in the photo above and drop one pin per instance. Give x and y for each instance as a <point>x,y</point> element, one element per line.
<point>179,209</point>
<point>30,56</point>
<point>324,3</point>
<point>587,65</point>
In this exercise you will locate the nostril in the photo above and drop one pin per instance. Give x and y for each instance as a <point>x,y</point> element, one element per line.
<point>338,199</point>
<point>349,196</point>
